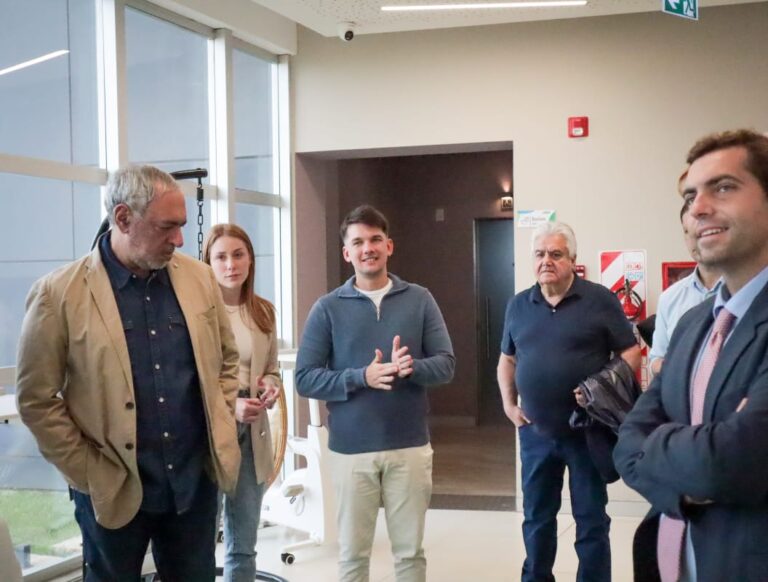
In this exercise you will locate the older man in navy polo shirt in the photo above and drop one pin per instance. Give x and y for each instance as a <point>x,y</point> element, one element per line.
<point>557,333</point>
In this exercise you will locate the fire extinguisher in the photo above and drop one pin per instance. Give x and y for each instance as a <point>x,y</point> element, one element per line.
<point>631,302</point>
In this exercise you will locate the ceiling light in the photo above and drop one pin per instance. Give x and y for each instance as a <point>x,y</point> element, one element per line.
<point>31,62</point>
<point>485,5</point>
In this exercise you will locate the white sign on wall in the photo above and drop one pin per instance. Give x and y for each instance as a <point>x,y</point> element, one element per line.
<point>533,218</point>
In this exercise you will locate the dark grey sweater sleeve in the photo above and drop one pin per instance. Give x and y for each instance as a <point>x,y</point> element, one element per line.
<point>313,377</point>
<point>438,363</point>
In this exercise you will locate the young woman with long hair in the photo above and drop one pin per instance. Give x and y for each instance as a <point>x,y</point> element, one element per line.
<point>228,250</point>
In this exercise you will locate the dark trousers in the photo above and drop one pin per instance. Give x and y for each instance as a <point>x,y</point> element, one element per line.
<point>544,460</point>
<point>182,545</point>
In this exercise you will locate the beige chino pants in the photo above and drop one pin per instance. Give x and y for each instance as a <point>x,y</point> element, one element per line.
<point>400,480</point>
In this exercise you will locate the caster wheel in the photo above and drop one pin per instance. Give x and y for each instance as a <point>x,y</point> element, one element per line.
<point>288,558</point>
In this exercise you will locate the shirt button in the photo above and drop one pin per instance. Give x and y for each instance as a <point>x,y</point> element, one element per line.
<point>170,467</point>
<point>161,400</point>
<point>152,332</point>
<point>129,446</point>
<point>554,310</point>
<point>147,298</point>
<point>157,366</point>
<point>263,433</point>
<point>166,435</point>
<point>130,405</point>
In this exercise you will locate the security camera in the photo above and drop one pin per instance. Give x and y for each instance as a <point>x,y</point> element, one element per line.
<point>346,30</point>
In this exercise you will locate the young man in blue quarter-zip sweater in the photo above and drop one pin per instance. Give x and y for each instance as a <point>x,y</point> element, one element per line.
<point>370,349</point>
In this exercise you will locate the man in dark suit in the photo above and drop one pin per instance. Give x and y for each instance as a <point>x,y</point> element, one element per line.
<point>696,443</point>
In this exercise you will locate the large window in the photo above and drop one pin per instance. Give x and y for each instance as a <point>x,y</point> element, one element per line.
<point>167,80</point>
<point>256,173</point>
<point>254,115</point>
<point>50,112</point>
<point>44,224</point>
<point>75,103</point>
<point>48,80</point>
<point>260,224</point>
<point>34,502</point>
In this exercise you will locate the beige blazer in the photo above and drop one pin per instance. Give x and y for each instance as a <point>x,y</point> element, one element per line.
<point>263,363</point>
<point>75,388</point>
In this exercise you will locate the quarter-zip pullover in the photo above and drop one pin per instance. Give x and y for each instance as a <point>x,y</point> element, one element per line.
<point>341,334</point>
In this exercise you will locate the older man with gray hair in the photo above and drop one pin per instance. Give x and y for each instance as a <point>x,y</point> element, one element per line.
<point>557,333</point>
<point>127,377</point>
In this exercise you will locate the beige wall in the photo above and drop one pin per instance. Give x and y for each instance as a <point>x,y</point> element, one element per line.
<point>315,211</point>
<point>650,83</point>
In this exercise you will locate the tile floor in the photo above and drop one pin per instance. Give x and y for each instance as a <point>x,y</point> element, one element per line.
<point>461,546</point>
<point>477,460</point>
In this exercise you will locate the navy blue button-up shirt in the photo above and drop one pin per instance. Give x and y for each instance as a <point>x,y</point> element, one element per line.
<point>172,441</point>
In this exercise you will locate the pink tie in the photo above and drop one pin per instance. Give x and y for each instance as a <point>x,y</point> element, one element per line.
<point>669,549</point>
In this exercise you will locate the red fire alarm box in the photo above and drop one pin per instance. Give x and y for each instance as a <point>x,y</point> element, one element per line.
<point>578,126</point>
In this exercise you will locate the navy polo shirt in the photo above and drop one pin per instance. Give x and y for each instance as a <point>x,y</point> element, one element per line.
<point>557,347</point>
<point>171,430</point>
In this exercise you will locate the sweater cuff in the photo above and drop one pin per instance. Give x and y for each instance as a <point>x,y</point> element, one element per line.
<point>358,377</point>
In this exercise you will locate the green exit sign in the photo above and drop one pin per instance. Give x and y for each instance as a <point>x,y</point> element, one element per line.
<point>684,8</point>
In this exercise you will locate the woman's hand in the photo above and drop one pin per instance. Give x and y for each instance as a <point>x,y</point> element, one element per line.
<point>247,409</point>
<point>269,391</point>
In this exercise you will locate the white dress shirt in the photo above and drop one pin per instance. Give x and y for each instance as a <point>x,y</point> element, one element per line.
<point>673,303</point>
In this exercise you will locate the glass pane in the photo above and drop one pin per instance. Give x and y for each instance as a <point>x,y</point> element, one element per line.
<point>167,82</point>
<point>15,282</point>
<point>33,243</point>
<point>260,224</point>
<point>264,281</point>
<point>49,108</point>
<point>34,500</point>
<point>252,80</point>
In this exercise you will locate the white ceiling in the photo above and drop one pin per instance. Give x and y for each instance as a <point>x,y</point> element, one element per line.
<point>323,16</point>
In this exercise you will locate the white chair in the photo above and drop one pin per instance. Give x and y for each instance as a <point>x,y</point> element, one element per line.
<point>305,500</point>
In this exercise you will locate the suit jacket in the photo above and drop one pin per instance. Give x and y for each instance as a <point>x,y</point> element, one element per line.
<point>724,460</point>
<point>75,388</point>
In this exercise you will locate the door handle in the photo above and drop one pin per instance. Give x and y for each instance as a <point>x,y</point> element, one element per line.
<point>487,328</point>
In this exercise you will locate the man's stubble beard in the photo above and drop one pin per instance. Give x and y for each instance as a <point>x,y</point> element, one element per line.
<point>152,264</point>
